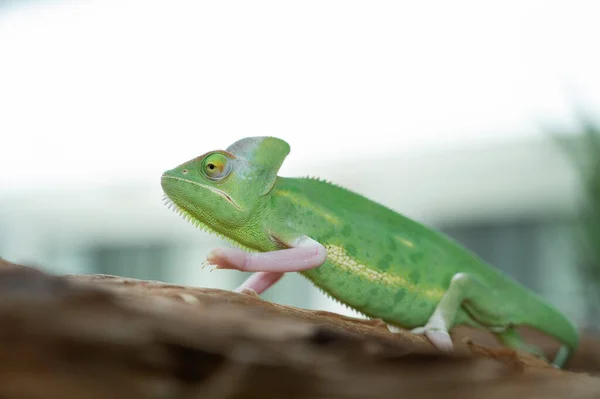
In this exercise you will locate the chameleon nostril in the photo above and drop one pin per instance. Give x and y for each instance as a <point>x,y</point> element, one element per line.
<point>184,172</point>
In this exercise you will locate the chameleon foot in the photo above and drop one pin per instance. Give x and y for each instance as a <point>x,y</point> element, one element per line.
<point>440,339</point>
<point>246,291</point>
<point>436,335</point>
<point>435,330</point>
<point>394,329</point>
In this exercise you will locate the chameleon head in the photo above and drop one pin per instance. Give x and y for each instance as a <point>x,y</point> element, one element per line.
<point>222,189</point>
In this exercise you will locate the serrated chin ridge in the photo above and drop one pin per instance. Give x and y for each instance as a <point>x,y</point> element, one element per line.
<point>336,300</point>
<point>198,224</point>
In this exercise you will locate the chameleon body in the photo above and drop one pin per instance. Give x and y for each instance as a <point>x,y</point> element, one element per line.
<point>360,252</point>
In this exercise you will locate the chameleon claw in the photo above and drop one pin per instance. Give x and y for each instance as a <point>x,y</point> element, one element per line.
<point>208,264</point>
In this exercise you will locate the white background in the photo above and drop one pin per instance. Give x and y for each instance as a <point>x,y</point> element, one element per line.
<point>102,91</point>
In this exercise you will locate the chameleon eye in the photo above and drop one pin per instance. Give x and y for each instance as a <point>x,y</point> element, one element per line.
<point>216,166</point>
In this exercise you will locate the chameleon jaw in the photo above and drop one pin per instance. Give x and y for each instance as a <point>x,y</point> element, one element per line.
<point>213,189</point>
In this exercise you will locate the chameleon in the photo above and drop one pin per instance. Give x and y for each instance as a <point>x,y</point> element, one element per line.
<point>359,252</point>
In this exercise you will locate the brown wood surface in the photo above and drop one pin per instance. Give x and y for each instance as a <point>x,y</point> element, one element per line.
<point>94,336</point>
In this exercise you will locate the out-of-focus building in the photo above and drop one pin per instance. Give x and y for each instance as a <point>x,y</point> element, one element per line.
<point>512,203</point>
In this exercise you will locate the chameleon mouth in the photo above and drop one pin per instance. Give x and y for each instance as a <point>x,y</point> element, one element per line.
<point>213,189</point>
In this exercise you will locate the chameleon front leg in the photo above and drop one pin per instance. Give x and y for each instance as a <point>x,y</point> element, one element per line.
<point>303,253</point>
<point>483,300</point>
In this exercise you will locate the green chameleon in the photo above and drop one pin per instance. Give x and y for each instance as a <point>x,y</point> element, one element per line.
<point>378,262</point>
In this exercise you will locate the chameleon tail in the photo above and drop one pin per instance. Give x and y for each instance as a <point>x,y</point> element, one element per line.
<point>553,322</point>
<point>511,338</point>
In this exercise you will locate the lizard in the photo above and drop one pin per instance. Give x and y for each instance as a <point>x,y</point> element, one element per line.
<point>373,259</point>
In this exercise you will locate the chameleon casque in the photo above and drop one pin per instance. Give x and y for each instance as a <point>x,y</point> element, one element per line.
<point>367,256</point>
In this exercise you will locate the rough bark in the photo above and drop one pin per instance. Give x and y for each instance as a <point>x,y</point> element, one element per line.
<point>93,336</point>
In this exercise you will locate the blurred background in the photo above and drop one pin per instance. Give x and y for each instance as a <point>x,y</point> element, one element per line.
<point>480,117</point>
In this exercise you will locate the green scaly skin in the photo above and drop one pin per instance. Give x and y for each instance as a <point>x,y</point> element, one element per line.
<point>379,262</point>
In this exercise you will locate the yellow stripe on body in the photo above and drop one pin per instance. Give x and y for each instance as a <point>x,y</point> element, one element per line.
<point>338,256</point>
<point>404,241</point>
